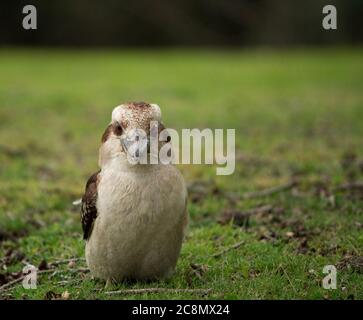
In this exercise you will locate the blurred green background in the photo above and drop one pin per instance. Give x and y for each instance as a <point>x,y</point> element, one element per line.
<point>297,112</point>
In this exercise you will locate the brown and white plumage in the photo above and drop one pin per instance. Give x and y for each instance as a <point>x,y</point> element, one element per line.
<point>133,216</point>
<point>89,205</point>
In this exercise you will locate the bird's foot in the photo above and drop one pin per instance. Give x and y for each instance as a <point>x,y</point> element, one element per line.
<point>109,284</point>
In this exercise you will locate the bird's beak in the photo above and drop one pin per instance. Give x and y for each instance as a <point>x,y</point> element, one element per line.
<point>136,145</point>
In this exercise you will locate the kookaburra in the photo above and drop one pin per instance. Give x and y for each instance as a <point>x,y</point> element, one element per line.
<point>133,216</point>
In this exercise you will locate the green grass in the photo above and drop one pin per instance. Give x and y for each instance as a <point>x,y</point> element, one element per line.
<point>297,113</point>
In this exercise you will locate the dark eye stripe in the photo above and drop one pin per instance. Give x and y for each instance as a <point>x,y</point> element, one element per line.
<point>106,134</point>
<point>117,129</point>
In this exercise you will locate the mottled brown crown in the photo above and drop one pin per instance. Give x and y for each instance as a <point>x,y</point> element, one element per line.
<point>132,115</point>
<point>137,105</point>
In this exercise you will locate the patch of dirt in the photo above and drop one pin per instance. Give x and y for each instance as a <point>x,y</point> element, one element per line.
<point>353,189</point>
<point>11,256</point>
<point>12,235</point>
<point>328,249</point>
<point>9,276</point>
<point>270,223</point>
<point>300,234</point>
<point>266,235</point>
<point>51,295</point>
<point>43,265</point>
<point>352,263</point>
<point>3,279</point>
<point>296,228</point>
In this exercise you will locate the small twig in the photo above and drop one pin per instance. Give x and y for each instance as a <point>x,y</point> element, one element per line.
<point>83,270</point>
<point>58,262</point>
<point>233,197</point>
<point>64,282</point>
<point>240,217</point>
<point>263,209</point>
<point>9,284</point>
<point>158,290</point>
<point>358,185</point>
<point>269,191</point>
<point>235,246</point>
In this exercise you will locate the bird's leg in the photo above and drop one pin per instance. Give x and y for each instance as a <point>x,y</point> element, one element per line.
<point>109,283</point>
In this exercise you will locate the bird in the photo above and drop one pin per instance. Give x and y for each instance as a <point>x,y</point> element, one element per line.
<point>134,216</point>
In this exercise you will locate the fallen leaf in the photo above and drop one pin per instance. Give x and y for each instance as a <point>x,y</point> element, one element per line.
<point>71,264</point>
<point>65,295</point>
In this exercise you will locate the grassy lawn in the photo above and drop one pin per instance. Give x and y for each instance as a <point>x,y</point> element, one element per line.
<point>298,115</point>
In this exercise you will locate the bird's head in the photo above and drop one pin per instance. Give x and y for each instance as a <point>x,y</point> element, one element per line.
<point>128,134</point>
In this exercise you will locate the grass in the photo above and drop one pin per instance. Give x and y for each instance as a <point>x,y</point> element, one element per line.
<point>297,113</point>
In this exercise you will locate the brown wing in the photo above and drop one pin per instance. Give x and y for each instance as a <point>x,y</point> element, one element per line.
<point>88,208</point>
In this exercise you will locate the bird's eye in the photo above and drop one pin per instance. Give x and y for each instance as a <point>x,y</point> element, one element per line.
<point>117,129</point>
